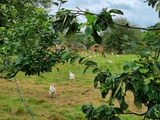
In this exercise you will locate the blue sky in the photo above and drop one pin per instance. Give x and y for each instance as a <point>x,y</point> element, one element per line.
<point>136,11</point>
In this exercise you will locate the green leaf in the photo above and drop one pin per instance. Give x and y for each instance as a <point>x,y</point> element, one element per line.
<point>135,67</point>
<point>96,70</point>
<point>157,46</point>
<point>109,81</point>
<point>8,75</point>
<point>87,106</point>
<point>118,110</point>
<point>116,11</point>
<point>123,89</point>
<point>126,68</point>
<point>144,52</point>
<point>108,16</point>
<point>154,112</point>
<point>72,29</point>
<point>134,44</point>
<point>64,1</point>
<point>99,26</point>
<point>155,67</point>
<point>122,103</point>
<point>66,21</point>
<point>137,103</point>
<point>89,111</point>
<point>96,80</point>
<point>85,69</point>
<point>73,59</point>
<point>104,108</point>
<point>89,29</point>
<point>91,63</point>
<point>91,19</point>
<point>144,71</point>
<point>104,90</point>
<point>81,60</point>
<point>55,3</point>
<point>65,54</point>
<point>96,37</point>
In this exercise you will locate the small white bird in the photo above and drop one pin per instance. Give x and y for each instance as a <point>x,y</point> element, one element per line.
<point>52,90</point>
<point>71,75</point>
<point>110,61</point>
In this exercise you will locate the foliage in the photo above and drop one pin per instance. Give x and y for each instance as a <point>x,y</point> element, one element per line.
<point>140,76</point>
<point>26,39</point>
<point>154,3</point>
<point>115,38</point>
<point>19,6</point>
<point>80,40</point>
<point>97,23</point>
<point>29,40</point>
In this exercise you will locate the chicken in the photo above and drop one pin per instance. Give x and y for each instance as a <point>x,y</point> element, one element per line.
<point>71,75</point>
<point>110,61</point>
<point>52,90</point>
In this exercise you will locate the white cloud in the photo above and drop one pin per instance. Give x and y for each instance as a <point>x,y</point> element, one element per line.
<point>136,11</point>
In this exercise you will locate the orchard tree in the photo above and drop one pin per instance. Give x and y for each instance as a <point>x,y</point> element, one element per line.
<point>25,48</point>
<point>116,37</point>
<point>19,6</point>
<point>27,38</point>
<point>150,37</point>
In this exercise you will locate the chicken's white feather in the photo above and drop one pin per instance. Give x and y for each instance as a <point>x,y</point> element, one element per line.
<point>71,75</point>
<point>52,90</point>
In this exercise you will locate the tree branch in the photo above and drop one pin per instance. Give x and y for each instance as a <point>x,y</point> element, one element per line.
<point>140,28</point>
<point>60,4</point>
<point>81,12</point>
<point>86,91</point>
<point>135,114</point>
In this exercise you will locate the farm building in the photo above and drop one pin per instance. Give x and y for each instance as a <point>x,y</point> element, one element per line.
<point>96,48</point>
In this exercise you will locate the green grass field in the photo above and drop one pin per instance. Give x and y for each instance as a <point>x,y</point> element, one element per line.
<point>67,103</point>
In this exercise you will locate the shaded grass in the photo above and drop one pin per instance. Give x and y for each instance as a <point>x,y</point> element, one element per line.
<point>67,103</point>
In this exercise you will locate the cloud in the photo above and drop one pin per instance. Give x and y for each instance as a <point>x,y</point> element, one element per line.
<point>136,11</point>
<point>121,6</point>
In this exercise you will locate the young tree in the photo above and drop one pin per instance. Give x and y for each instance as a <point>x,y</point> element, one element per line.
<point>28,37</point>
<point>19,6</point>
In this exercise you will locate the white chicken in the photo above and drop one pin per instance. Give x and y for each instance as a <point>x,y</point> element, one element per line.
<point>71,75</point>
<point>110,61</point>
<point>52,90</point>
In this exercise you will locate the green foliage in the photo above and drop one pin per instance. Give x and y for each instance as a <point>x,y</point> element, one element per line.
<point>103,112</point>
<point>29,39</point>
<point>117,38</point>
<point>141,77</point>
<point>154,3</point>
<point>100,22</point>
<point>27,33</point>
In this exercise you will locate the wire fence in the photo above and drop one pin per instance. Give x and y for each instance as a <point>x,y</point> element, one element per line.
<point>19,92</point>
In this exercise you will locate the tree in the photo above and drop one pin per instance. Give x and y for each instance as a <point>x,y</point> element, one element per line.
<point>30,36</point>
<point>116,37</point>
<point>20,7</point>
<point>29,39</point>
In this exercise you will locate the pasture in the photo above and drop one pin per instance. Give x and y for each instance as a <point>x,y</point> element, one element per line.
<point>67,103</point>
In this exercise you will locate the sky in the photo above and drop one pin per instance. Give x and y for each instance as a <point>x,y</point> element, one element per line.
<point>135,11</point>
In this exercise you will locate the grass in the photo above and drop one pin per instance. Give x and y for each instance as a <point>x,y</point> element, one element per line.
<point>67,103</point>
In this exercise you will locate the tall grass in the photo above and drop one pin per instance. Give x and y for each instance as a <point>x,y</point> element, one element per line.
<point>67,103</point>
